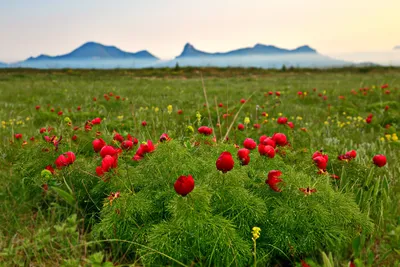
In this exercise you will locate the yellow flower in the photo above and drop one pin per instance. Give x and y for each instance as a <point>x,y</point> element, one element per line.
<point>394,137</point>
<point>280,114</point>
<point>198,116</point>
<point>27,118</point>
<point>305,93</point>
<point>344,113</point>
<point>348,122</point>
<point>299,118</point>
<point>246,120</point>
<point>382,139</point>
<point>120,117</point>
<point>256,233</point>
<point>169,108</point>
<point>324,92</point>
<point>388,136</point>
<point>156,109</point>
<point>326,123</point>
<point>67,120</point>
<point>190,129</point>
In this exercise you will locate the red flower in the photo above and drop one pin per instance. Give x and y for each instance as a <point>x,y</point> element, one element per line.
<point>300,93</point>
<point>52,110</point>
<point>267,141</point>
<point>133,139</point>
<point>99,171</point>
<point>320,162</point>
<point>184,185</point>
<point>240,127</point>
<point>273,180</point>
<point>387,92</point>
<point>74,137</point>
<point>379,160</point>
<point>281,120</point>
<point>144,123</point>
<point>308,191</point>
<point>368,120</point>
<point>225,162</point>
<point>278,93</point>
<point>243,155</point>
<point>384,86</point>
<point>180,112</point>
<point>334,176</point>
<point>266,151</point>
<point>304,264</point>
<point>37,107</point>
<point>108,150</point>
<point>127,145</point>
<point>96,121</point>
<point>280,139</point>
<point>249,143</point>
<point>256,126</point>
<point>386,108</point>
<point>205,130</point>
<point>118,137</point>
<point>144,149</point>
<point>320,154</point>
<point>290,124</point>
<point>50,168</point>
<point>94,99</point>
<point>60,113</point>
<point>164,137</point>
<point>352,154</point>
<point>98,144</point>
<point>65,159</point>
<point>220,105</point>
<point>18,136</point>
<point>242,100</point>
<point>108,162</point>
<point>42,130</point>
<point>137,157</point>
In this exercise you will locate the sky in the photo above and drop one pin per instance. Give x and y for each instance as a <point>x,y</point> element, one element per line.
<point>340,27</point>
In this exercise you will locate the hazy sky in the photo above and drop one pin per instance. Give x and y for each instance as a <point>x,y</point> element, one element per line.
<point>32,27</point>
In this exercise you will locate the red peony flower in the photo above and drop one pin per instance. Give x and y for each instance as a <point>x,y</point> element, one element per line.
<point>98,144</point>
<point>50,168</point>
<point>320,154</point>
<point>60,113</point>
<point>18,136</point>
<point>240,127</point>
<point>281,120</point>
<point>280,139</point>
<point>266,150</point>
<point>304,264</point>
<point>290,124</point>
<point>205,130</point>
<point>164,137</point>
<point>256,126</point>
<point>94,99</point>
<point>118,137</point>
<point>308,191</point>
<point>320,162</point>
<point>37,107</point>
<point>108,150</point>
<point>225,162</point>
<point>180,112</point>
<point>249,143</point>
<point>108,162</point>
<point>384,86</point>
<point>65,159</point>
<point>74,137</point>
<point>300,93</point>
<point>184,185</point>
<point>273,180</point>
<point>42,130</point>
<point>220,105</point>
<point>244,156</point>
<point>144,123</point>
<point>127,145</point>
<point>96,121</point>
<point>278,93</point>
<point>99,171</point>
<point>379,160</point>
<point>242,100</point>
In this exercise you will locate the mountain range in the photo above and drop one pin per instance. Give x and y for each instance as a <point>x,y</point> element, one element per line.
<point>96,55</point>
<point>259,49</point>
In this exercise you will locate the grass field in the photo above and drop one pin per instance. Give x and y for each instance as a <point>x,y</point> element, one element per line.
<point>123,207</point>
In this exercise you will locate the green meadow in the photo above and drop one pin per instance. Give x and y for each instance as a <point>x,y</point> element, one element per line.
<point>123,208</point>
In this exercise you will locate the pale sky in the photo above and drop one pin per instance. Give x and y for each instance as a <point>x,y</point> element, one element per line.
<point>54,27</point>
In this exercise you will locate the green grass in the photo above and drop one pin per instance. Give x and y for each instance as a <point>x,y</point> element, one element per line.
<point>74,223</point>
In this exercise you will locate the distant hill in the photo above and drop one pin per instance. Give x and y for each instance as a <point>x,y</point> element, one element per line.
<point>259,49</point>
<point>92,50</point>
<point>3,65</point>
<point>396,47</point>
